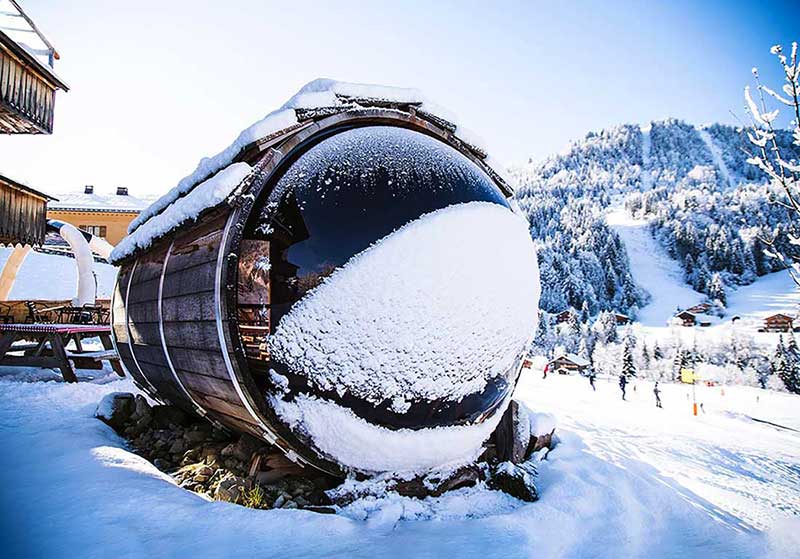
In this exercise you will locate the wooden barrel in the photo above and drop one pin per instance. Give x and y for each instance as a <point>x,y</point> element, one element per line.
<point>177,322</point>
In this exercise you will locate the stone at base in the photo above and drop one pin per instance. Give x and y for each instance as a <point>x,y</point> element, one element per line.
<point>515,479</point>
<point>115,410</point>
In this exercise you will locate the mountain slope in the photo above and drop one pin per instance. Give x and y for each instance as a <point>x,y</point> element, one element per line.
<point>707,208</point>
<point>652,269</point>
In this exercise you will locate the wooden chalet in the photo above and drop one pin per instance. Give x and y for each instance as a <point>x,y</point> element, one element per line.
<point>28,83</point>
<point>687,318</point>
<point>700,308</point>
<point>23,212</point>
<point>622,319</point>
<point>564,316</point>
<point>568,363</point>
<point>778,323</point>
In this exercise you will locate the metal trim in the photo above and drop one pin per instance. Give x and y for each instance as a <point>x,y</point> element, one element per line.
<point>271,436</point>
<point>152,390</point>
<point>198,408</point>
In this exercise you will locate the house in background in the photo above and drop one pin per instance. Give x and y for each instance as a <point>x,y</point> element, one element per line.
<point>622,319</point>
<point>568,363</point>
<point>778,323</point>
<point>686,318</point>
<point>103,215</point>
<point>28,82</point>
<point>564,316</point>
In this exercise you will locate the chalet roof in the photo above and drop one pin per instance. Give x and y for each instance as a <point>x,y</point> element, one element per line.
<point>99,202</point>
<point>318,99</point>
<point>572,358</point>
<point>21,36</point>
<point>25,188</point>
<point>683,314</point>
<point>779,315</point>
<point>23,216</point>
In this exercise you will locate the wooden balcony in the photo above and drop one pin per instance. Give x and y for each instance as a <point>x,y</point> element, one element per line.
<point>27,91</point>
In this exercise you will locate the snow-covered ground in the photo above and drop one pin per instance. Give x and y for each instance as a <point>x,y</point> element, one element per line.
<point>626,480</point>
<point>662,277</point>
<point>54,278</point>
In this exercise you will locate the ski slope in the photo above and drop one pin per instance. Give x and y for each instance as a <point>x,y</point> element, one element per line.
<point>625,480</point>
<point>652,269</point>
<point>716,156</point>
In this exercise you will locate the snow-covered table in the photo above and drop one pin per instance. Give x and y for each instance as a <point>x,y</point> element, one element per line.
<point>49,343</point>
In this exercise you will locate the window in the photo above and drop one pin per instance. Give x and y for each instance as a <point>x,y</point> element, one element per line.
<point>96,230</point>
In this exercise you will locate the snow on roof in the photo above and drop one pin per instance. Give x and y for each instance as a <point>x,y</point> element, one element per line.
<point>780,315</point>
<point>15,25</point>
<point>207,194</point>
<point>318,95</point>
<point>576,359</point>
<point>100,202</point>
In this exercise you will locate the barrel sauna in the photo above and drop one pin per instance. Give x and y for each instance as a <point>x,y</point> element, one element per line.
<point>192,312</point>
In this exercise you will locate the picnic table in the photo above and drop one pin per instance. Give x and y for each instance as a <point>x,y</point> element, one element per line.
<point>49,343</point>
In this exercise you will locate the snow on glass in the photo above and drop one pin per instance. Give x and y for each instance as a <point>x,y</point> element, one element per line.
<point>432,311</point>
<point>319,93</point>
<point>408,156</point>
<point>356,443</point>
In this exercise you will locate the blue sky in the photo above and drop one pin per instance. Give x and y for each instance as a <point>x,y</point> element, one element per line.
<point>158,85</point>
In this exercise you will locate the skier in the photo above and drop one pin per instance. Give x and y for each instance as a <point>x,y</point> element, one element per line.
<point>623,382</point>
<point>657,392</point>
<point>592,376</point>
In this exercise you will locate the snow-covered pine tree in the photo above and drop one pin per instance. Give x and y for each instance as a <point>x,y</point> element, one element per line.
<point>791,373</point>
<point>645,355</point>
<point>628,366</point>
<point>584,312</point>
<point>657,353</point>
<point>716,289</point>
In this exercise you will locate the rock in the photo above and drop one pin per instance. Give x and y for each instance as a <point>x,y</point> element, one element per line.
<point>230,489</point>
<point>194,437</point>
<point>266,478</point>
<point>279,502</point>
<point>165,416</point>
<point>515,479</point>
<point>143,409</point>
<point>243,449</point>
<point>436,485</point>
<point>190,456</point>
<point>513,434</point>
<point>162,465</point>
<point>542,441</point>
<point>115,410</point>
<point>177,447</point>
<point>289,505</point>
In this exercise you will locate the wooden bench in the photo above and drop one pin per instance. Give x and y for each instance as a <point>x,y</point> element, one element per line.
<point>49,347</point>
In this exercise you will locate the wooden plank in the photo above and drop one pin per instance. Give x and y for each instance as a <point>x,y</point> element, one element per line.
<point>189,280</point>
<point>191,306</point>
<point>57,344</point>
<point>201,334</point>
<point>203,362</point>
<point>210,402</point>
<point>108,345</point>
<point>209,385</point>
